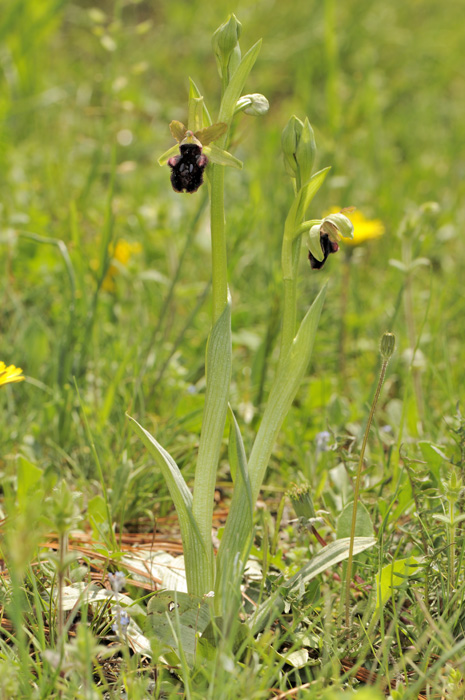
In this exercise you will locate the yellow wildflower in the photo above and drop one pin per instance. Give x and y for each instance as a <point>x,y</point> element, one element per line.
<point>364,229</point>
<point>121,255</point>
<point>10,374</point>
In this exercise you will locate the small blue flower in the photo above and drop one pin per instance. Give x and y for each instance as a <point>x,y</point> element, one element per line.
<point>117,581</point>
<point>322,441</point>
<point>122,620</point>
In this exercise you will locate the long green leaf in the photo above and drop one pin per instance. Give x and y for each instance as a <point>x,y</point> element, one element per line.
<point>283,392</point>
<point>197,558</point>
<point>237,533</point>
<point>329,556</point>
<point>218,370</point>
<point>309,190</point>
<point>229,562</point>
<point>302,202</point>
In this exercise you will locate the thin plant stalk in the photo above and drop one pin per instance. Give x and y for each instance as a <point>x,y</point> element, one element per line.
<point>387,348</point>
<point>212,430</point>
<point>218,238</point>
<point>219,349</point>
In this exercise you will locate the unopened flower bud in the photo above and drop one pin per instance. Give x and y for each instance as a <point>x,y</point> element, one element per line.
<point>306,151</point>
<point>388,344</point>
<point>224,41</point>
<point>302,501</point>
<point>299,148</point>
<point>255,104</point>
<point>289,141</point>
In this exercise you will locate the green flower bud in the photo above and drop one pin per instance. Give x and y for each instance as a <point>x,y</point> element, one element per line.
<point>306,151</point>
<point>289,141</point>
<point>255,104</point>
<point>388,344</point>
<point>299,148</point>
<point>302,501</point>
<point>224,41</point>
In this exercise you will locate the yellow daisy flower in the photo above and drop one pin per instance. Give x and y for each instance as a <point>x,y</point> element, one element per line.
<point>10,374</point>
<point>364,229</point>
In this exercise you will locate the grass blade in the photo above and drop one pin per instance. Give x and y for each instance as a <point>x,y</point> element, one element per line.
<point>329,556</point>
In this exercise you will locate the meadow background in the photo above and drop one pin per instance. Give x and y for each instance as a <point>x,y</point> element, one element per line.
<point>121,306</point>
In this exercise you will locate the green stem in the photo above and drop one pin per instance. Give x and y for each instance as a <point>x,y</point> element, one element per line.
<point>62,549</point>
<point>218,374</point>
<point>218,237</point>
<point>358,479</point>
<point>289,261</point>
<point>452,544</point>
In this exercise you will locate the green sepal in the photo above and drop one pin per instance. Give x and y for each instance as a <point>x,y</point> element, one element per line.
<point>220,157</point>
<point>314,243</point>
<point>173,151</point>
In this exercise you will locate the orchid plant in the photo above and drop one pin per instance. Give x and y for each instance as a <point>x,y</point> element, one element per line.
<point>201,150</point>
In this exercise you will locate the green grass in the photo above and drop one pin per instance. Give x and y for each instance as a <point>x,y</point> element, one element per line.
<point>86,97</point>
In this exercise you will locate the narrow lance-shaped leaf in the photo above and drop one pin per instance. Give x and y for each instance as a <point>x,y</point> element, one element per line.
<point>283,392</point>
<point>218,369</point>
<point>237,82</point>
<point>230,562</point>
<point>197,560</point>
<point>237,533</point>
<point>309,190</point>
<point>302,202</point>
